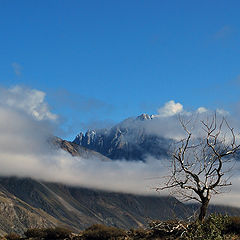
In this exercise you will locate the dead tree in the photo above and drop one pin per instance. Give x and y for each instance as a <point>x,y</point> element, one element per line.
<point>201,162</point>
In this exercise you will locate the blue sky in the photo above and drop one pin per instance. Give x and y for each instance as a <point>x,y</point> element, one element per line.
<point>102,61</point>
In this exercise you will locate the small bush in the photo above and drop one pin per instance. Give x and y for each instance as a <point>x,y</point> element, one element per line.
<point>57,233</point>
<point>139,233</point>
<point>48,233</point>
<point>102,232</point>
<point>35,233</point>
<point>212,229</point>
<point>13,236</point>
<point>233,225</point>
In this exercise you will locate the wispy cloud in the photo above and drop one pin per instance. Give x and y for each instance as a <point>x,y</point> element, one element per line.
<point>79,102</point>
<point>17,68</point>
<point>224,32</point>
<point>80,112</point>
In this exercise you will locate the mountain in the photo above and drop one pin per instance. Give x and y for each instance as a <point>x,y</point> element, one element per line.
<point>75,150</point>
<point>127,140</point>
<point>27,203</point>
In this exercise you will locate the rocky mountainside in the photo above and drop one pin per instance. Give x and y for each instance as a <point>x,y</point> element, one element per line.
<point>75,150</point>
<point>126,140</point>
<point>27,203</point>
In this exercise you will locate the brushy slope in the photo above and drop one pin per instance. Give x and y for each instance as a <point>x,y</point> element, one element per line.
<point>216,227</point>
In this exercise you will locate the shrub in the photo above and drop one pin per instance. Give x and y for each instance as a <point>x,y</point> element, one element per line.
<point>102,232</point>
<point>57,233</point>
<point>139,233</point>
<point>13,236</point>
<point>48,233</point>
<point>212,229</point>
<point>233,225</point>
<point>35,233</point>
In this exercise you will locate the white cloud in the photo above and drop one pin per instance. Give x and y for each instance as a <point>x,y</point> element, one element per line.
<point>201,110</point>
<point>166,123</point>
<point>30,101</point>
<point>170,109</point>
<point>222,112</point>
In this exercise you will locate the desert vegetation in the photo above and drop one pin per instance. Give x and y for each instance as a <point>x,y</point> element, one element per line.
<point>215,227</point>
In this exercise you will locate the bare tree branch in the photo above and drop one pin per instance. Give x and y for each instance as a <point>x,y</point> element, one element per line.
<point>199,162</point>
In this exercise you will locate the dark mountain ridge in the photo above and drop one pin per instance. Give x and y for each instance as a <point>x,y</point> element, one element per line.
<point>27,203</point>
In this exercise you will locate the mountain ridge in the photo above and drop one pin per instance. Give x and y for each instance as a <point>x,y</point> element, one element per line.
<point>127,140</point>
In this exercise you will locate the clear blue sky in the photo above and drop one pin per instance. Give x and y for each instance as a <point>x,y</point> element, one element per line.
<point>107,60</point>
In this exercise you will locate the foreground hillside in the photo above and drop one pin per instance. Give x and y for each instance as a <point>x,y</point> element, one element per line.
<point>27,203</point>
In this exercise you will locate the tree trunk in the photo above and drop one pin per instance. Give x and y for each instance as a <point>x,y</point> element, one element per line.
<point>203,210</point>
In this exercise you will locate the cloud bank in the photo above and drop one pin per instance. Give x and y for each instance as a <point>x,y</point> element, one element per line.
<point>26,123</point>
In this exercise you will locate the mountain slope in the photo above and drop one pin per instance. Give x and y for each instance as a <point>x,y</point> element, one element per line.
<point>76,150</point>
<point>27,203</point>
<point>16,215</point>
<point>30,203</point>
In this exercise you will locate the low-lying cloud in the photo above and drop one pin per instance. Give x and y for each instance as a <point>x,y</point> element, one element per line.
<point>26,123</point>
